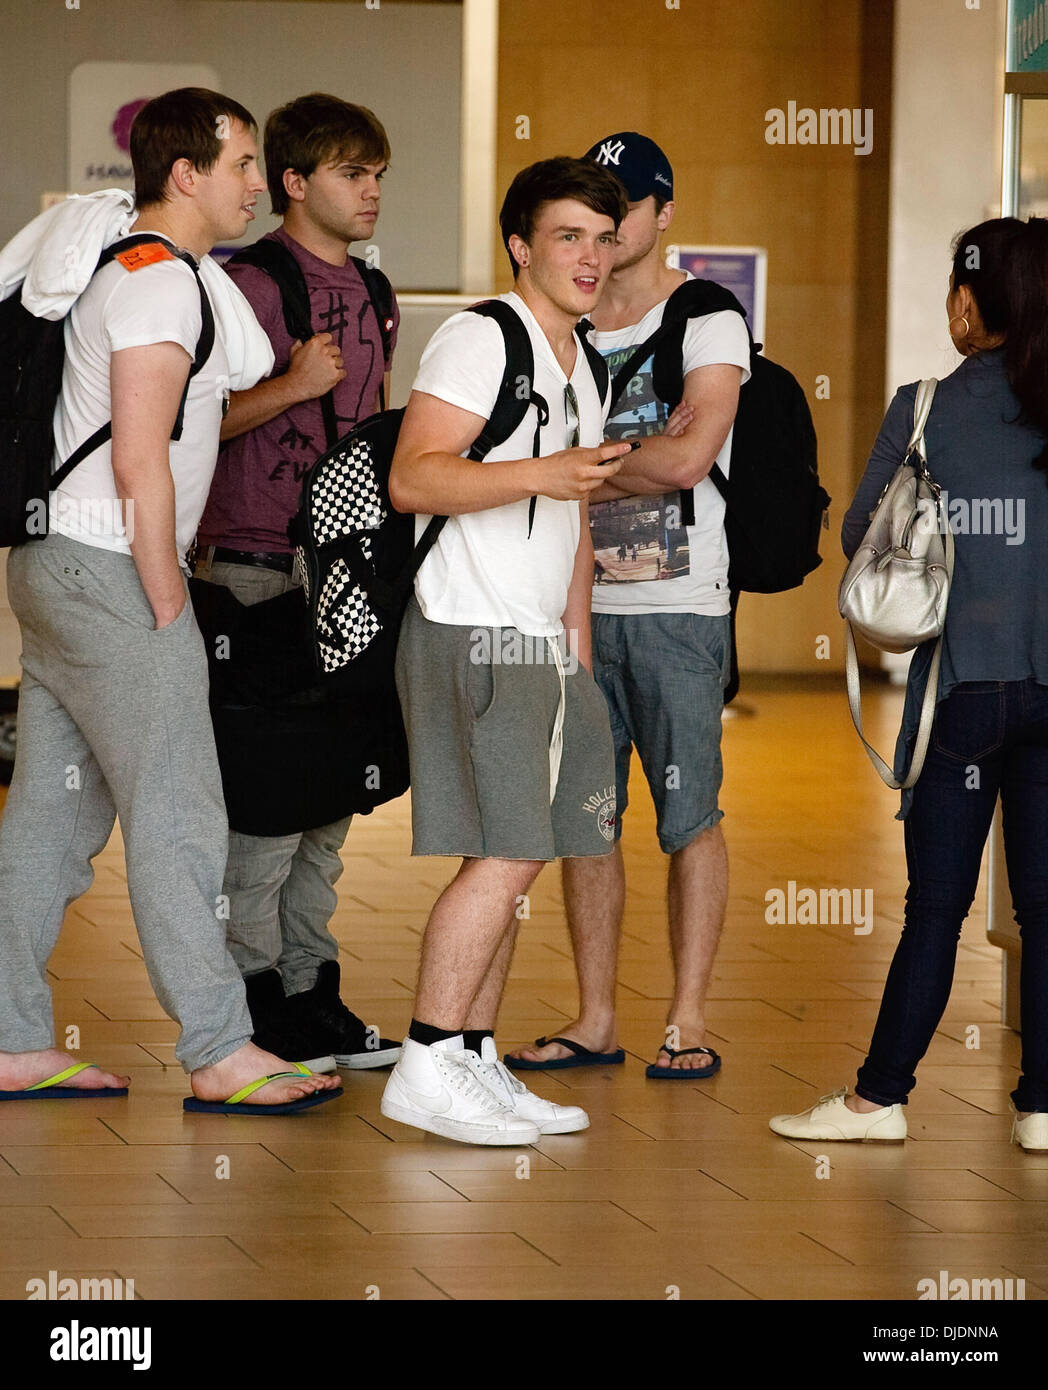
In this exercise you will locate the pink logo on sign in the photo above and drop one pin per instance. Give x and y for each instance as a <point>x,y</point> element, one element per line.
<point>122,122</point>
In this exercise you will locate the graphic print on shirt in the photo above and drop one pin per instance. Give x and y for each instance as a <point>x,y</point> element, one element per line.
<point>637,538</point>
<point>333,318</point>
<point>304,453</point>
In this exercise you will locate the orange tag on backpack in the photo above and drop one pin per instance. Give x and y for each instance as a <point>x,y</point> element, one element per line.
<point>135,257</point>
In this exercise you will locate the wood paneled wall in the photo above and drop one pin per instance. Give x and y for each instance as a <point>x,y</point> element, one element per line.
<point>699,80</point>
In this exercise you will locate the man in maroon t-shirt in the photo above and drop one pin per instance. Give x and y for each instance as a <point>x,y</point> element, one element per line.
<point>324,159</point>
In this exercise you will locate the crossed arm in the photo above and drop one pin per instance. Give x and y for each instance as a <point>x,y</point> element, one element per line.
<point>670,461</point>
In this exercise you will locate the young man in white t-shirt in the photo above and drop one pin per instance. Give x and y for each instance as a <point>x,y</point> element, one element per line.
<point>661,632</point>
<point>113,716</point>
<point>510,747</point>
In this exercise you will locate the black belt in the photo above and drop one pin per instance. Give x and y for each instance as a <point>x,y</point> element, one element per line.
<point>263,559</point>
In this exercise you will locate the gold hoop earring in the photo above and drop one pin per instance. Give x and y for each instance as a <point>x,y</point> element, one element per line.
<point>967,326</point>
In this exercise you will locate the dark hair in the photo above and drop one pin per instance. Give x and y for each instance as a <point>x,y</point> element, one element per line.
<point>184,124</point>
<point>552,179</point>
<point>1004,262</point>
<point>318,129</point>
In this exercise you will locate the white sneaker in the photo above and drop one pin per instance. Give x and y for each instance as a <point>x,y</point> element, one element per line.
<point>1031,1133</point>
<point>433,1088</point>
<point>514,1095</point>
<point>830,1118</point>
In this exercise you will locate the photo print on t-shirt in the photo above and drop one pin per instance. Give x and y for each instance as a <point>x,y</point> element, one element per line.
<point>637,538</point>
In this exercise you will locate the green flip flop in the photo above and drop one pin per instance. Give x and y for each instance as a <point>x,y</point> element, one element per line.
<point>235,1104</point>
<point>52,1088</point>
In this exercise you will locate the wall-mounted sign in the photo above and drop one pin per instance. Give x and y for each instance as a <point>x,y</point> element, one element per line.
<point>1027,36</point>
<point>104,99</point>
<point>741,269</point>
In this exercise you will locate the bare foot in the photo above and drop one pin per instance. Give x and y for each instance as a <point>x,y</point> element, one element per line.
<point>20,1070</point>
<point>687,1035</point>
<point>598,1037</point>
<point>249,1063</point>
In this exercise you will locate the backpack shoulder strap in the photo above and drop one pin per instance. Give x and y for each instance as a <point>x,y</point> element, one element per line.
<point>380,292</point>
<point>206,340</point>
<point>517,388</point>
<point>204,347</point>
<point>692,300</point>
<point>598,365</point>
<point>276,261</point>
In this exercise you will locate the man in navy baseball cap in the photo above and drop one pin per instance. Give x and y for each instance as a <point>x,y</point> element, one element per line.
<point>661,628</point>
<point>638,163</point>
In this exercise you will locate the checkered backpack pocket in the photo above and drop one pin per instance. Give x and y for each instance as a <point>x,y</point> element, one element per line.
<point>341,560</point>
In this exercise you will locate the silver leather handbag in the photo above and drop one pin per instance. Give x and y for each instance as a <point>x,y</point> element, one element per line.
<point>895,590</point>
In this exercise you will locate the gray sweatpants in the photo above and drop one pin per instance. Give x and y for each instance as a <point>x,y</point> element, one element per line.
<point>113,720</point>
<point>281,888</point>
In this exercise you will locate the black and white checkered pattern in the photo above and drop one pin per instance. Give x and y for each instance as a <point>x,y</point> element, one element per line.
<point>345,500</point>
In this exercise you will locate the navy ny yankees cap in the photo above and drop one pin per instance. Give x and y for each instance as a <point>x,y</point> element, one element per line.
<point>638,163</point>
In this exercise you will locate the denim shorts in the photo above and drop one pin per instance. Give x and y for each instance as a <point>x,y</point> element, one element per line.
<point>663,676</point>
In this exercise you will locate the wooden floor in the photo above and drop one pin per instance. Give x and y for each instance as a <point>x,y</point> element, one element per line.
<point>675,1186</point>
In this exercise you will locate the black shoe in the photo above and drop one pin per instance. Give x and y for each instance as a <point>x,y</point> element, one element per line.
<point>321,1015</point>
<point>277,1026</point>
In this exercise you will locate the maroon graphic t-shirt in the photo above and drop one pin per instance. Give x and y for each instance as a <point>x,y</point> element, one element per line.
<point>258,479</point>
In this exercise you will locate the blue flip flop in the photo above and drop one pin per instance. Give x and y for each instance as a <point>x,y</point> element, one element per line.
<point>582,1057</point>
<point>52,1088</point>
<point>658,1073</point>
<point>235,1104</point>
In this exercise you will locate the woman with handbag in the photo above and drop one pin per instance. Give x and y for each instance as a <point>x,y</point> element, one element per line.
<point>986,442</point>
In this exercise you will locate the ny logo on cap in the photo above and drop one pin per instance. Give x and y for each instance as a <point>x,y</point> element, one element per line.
<point>609,153</point>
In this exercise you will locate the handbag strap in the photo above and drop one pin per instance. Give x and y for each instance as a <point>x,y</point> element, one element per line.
<point>924,728</point>
<point>921,409</point>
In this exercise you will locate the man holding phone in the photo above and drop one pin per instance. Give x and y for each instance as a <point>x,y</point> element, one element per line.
<point>511,762</point>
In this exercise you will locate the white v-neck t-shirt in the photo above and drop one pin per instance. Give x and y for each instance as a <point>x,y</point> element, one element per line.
<point>485,570</point>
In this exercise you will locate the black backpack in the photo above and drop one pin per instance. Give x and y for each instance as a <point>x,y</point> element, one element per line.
<point>274,258</point>
<point>306,716</point>
<point>775,505</point>
<point>32,356</point>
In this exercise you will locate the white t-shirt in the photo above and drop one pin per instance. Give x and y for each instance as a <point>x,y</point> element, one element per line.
<point>485,570</point>
<point>158,303</point>
<point>646,562</point>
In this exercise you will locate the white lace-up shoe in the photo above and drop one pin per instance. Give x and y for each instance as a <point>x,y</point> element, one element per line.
<point>1031,1133</point>
<point>830,1118</point>
<point>511,1092</point>
<point>434,1088</point>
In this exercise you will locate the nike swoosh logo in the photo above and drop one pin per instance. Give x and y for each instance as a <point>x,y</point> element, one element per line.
<point>438,1104</point>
